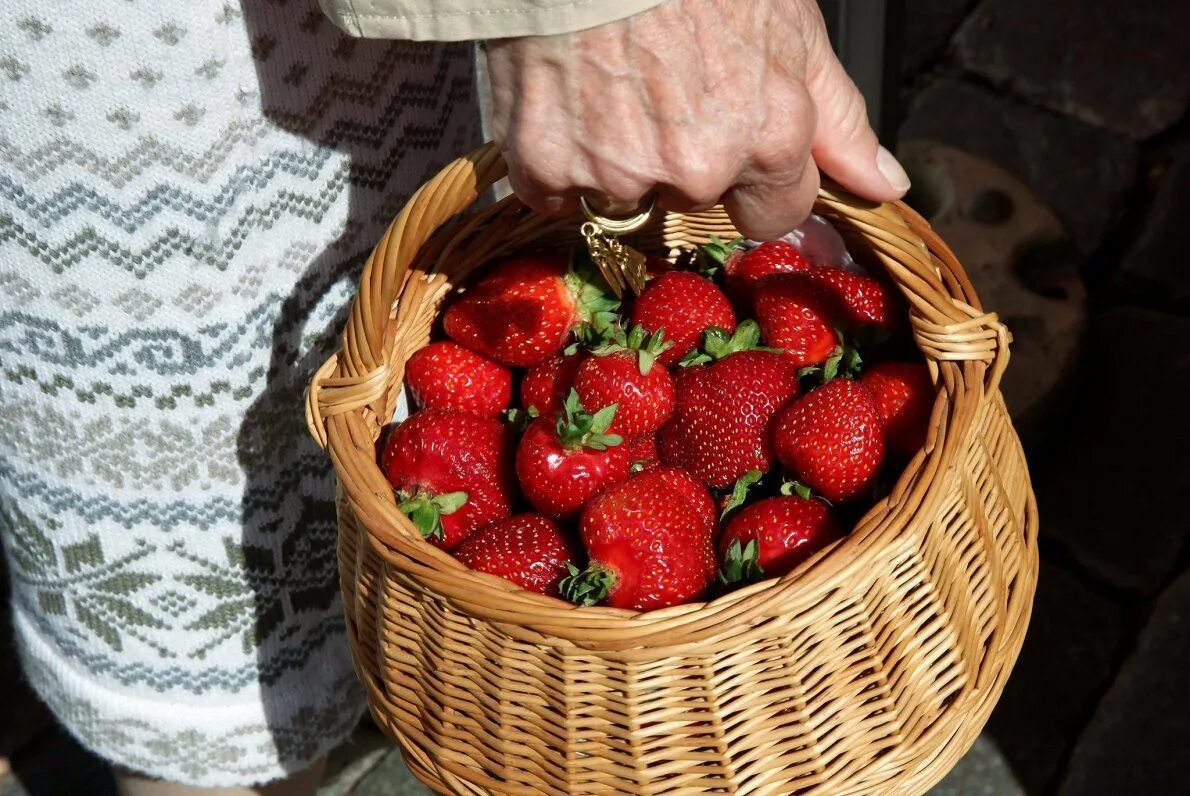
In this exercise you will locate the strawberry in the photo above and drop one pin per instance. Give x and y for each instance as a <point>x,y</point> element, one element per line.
<point>447,376</point>
<point>861,300</point>
<point>798,314</point>
<point>563,463</point>
<point>547,384</point>
<point>831,440</point>
<point>904,396</point>
<point>683,305</point>
<point>642,453</point>
<point>622,372</point>
<point>744,268</point>
<point>527,549</point>
<point>650,544</point>
<point>452,472</point>
<point>685,486</point>
<point>771,537</point>
<point>723,411</point>
<point>523,310</point>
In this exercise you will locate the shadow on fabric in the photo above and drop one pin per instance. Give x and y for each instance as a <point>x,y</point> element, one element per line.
<point>399,111</point>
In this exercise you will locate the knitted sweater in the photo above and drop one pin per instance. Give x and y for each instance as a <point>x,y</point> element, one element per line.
<point>188,190</point>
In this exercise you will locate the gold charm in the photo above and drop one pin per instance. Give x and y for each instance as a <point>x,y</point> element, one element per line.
<point>622,266</point>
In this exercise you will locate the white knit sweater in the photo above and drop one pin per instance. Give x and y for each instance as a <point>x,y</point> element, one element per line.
<point>186,192</point>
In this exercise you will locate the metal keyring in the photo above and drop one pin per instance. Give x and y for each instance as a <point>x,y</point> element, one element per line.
<point>617,226</point>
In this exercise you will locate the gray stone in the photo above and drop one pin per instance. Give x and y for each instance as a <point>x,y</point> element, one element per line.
<point>982,772</point>
<point>1158,267</point>
<point>354,760</point>
<point>929,26</point>
<point>1112,493</point>
<point>390,777</point>
<point>1082,173</point>
<point>369,765</point>
<point>1120,64</point>
<point>1019,259</point>
<point>1136,742</point>
<point>1074,637</point>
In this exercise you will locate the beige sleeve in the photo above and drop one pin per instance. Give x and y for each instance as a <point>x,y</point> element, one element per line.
<point>457,20</point>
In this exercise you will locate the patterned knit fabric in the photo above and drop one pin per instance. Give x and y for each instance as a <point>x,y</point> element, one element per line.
<point>187,191</point>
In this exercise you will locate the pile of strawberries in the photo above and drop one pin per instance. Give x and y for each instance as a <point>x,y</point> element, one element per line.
<point>660,449</point>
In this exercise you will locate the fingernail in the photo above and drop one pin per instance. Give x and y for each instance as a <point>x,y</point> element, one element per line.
<point>892,170</point>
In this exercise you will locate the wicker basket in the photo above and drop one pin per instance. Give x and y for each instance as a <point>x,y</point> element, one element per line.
<point>870,669</point>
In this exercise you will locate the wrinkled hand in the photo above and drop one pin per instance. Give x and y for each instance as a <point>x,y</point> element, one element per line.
<point>697,101</point>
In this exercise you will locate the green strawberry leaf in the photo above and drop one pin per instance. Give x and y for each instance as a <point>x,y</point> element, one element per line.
<point>520,418</point>
<point>741,564</point>
<point>578,428</point>
<point>450,502</point>
<point>791,488</point>
<point>639,341</point>
<point>713,256</point>
<point>717,344</point>
<point>830,368</point>
<point>602,419</point>
<point>591,293</point>
<point>425,513</point>
<point>739,492</point>
<point>587,587</point>
<point>798,489</point>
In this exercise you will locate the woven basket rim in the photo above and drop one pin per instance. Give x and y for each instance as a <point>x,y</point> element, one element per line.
<point>966,348</point>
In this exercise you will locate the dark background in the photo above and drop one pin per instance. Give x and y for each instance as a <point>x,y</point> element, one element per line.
<point>1072,179</point>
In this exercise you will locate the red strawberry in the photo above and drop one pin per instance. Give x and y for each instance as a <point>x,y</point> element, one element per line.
<point>642,453</point>
<point>547,384</point>
<point>650,544</point>
<point>861,300</point>
<point>687,487</point>
<point>622,372</point>
<point>744,268</point>
<point>773,536</point>
<point>683,305</point>
<point>447,376</point>
<point>798,314</point>
<point>524,309</point>
<point>720,428</point>
<point>904,396</point>
<point>452,472</point>
<point>563,463</point>
<point>527,549</point>
<point>831,440</point>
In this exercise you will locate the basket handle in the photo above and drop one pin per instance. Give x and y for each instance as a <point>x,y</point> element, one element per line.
<point>949,322</point>
<point>359,374</point>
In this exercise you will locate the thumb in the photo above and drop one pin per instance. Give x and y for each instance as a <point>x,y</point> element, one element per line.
<point>844,145</point>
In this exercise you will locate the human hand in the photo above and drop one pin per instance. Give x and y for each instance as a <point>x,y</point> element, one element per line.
<point>696,101</point>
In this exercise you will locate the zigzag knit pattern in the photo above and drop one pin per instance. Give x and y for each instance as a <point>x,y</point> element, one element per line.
<point>187,194</point>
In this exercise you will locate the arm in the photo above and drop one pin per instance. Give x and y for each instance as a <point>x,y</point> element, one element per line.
<point>698,101</point>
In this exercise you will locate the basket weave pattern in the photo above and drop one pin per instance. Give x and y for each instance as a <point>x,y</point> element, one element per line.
<point>870,669</point>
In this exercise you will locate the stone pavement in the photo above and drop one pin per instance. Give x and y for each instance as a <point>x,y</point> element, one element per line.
<point>1084,103</point>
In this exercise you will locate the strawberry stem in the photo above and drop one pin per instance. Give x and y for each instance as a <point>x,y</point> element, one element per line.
<point>844,362</point>
<point>739,492</point>
<point>578,428</point>
<point>647,346</point>
<point>518,419</point>
<point>592,297</point>
<point>741,564</point>
<point>587,586</point>
<point>425,510</point>
<point>717,344</point>
<point>713,256</point>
